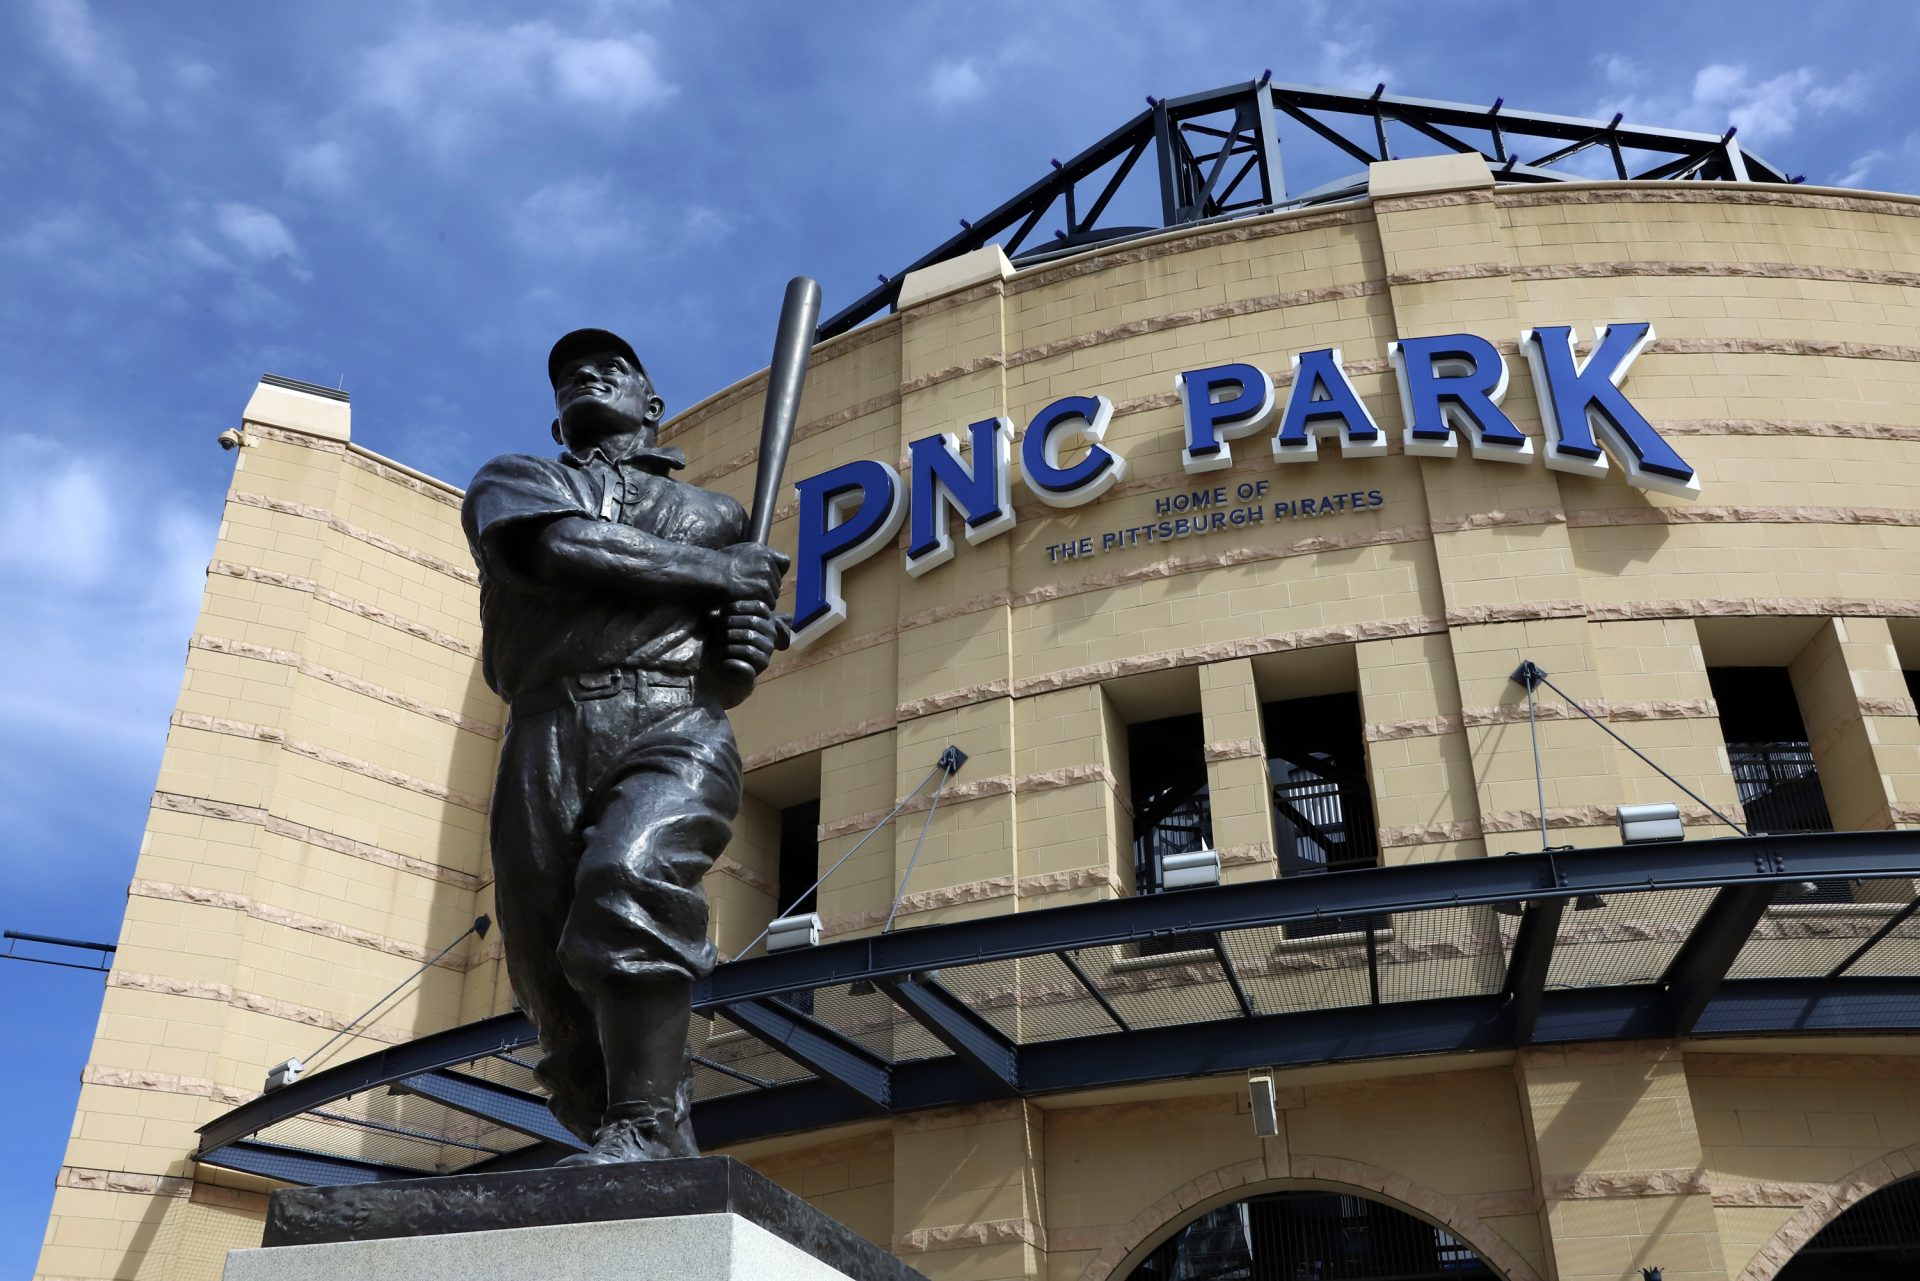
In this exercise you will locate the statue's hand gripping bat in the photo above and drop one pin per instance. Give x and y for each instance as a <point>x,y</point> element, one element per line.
<point>792,345</point>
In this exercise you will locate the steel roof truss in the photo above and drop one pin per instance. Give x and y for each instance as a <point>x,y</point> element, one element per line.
<point>1702,962</point>
<point>300,1166</point>
<point>1233,979</point>
<point>818,1048</point>
<point>511,1109</point>
<point>978,1043</point>
<point>1527,967</point>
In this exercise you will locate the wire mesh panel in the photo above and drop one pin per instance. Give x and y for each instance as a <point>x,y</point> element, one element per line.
<point>1036,998</point>
<point>729,1045</point>
<point>1896,954</point>
<point>1804,940</point>
<point>1286,975</point>
<point>1624,938</point>
<point>1455,951</point>
<point>1160,989</point>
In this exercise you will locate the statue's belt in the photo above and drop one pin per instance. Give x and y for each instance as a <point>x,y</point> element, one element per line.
<point>667,689</point>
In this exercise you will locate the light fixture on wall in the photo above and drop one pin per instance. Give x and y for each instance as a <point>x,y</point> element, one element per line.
<point>1264,1104</point>
<point>790,932</point>
<point>1646,824</point>
<point>1196,869</point>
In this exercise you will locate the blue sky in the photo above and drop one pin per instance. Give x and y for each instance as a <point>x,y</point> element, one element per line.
<point>413,198</point>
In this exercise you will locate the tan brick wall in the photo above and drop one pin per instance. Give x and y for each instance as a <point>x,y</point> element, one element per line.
<point>318,822</point>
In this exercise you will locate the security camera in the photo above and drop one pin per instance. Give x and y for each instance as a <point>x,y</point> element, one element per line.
<point>231,438</point>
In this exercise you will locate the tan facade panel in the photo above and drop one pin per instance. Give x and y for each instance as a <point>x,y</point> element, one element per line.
<point>318,825</point>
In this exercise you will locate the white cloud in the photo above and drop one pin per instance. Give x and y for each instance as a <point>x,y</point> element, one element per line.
<point>1764,109</point>
<point>192,75</point>
<point>577,218</point>
<point>325,168</point>
<point>705,225</point>
<point>89,52</point>
<point>1348,64</point>
<point>444,83</point>
<point>103,576</point>
<point>954,84</point>
<point>254,232</point>
<point>1856,174</point>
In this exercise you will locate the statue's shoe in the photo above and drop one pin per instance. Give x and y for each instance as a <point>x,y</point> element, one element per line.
<point>625,1139</point>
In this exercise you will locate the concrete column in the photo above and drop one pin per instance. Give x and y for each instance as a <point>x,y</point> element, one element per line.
<point>1237,771</point>
<point>1419,765</point>
<point>1619,1160</point>
<point>1861,722</point>
<point>956,666</point>
<point>968,1193</point>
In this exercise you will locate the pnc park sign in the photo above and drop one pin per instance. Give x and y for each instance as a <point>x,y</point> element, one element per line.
<point>1451,387</point>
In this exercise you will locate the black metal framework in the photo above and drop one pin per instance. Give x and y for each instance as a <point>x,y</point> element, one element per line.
<point>1680,939</point>
<point>1218,155</point>
<point>1329,1236</point>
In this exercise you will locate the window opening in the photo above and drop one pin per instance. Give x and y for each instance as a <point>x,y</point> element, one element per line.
<point>1772,761</point>
<point>1172,812</point>
<point>799,856</point>
<point>799,868</point>
<point>1322,805</point>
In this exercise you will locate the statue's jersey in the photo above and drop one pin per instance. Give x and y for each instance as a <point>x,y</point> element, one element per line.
<point>536,633</point>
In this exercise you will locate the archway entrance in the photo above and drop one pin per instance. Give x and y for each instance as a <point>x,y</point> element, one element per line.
<point>1876,1239</point>
<point>1311,1236</point>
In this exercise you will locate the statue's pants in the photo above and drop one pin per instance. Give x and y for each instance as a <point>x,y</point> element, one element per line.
<point>617,791</point>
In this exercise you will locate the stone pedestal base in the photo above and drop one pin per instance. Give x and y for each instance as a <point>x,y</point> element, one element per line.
<point>695,1247</point>
<point>705,1219</point>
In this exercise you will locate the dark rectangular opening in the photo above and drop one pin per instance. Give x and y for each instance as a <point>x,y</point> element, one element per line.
<point>799,857</point>
<point>1172,809</point>
<point>1772,761</point>
<point>799,868</point>
<point>1322,805</point>
<point>1172,812</point>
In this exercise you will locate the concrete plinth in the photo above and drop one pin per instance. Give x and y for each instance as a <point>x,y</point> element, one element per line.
<point>704,1219</point>
<point>696,1247</point>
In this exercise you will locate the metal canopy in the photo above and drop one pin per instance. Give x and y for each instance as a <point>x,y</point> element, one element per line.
<point>1218,155</point>
<point>1427,958</point>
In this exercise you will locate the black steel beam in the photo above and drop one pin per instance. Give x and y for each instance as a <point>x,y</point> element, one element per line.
<point>978,1043</point>
<point>1072,962</point>
<point>1697,970</point>
<point>818,1048</point>
<point>1168,120</point>
<point>1812,1006</point>
<point>1409,887</point>
<point>298,1165</point>
<point>1744,1007</point>
<point>513,1109</point>
<point>1527,967</point>
<point>383,1067</point>
<point>1233,979</point>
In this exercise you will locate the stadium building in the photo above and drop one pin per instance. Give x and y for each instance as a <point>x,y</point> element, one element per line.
<point>1432,663</point>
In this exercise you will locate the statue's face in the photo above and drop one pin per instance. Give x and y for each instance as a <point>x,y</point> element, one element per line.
<point>602,395</point>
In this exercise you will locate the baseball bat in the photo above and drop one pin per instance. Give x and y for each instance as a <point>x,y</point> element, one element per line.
<point>792,345</point>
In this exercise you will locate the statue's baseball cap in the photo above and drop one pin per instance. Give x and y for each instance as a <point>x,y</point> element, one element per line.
<point>589,342</point>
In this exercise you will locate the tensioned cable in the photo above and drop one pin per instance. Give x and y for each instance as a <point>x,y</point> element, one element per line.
<point>915,857</point>
<point>1642,755</point>
<point>939,767</point>
<point>479,926</point>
